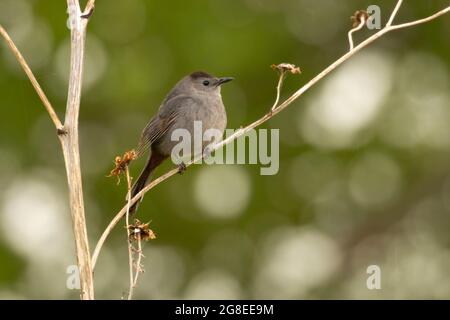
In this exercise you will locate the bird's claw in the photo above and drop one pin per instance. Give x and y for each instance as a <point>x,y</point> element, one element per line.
<point>182,168</point>
<point>207,152</point>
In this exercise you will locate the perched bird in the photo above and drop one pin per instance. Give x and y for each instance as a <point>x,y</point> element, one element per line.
<point>196,97</point>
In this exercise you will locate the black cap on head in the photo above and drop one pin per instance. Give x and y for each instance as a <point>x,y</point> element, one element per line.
<point>200,74</point>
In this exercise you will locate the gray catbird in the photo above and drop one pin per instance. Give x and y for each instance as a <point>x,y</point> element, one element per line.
<point>196,97</point>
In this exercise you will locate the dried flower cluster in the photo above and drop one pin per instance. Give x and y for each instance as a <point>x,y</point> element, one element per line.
<point>358,17</point>
<point>141,231</point>
<point>121,163</point>
<point>286,67</point>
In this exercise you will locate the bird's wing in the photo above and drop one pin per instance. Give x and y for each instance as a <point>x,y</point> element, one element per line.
<point>161,122</point>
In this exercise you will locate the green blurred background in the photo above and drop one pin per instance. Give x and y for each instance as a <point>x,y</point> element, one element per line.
<point>364,173</point>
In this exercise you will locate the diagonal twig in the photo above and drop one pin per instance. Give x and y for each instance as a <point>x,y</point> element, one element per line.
<point>54,117</point>
<point>394,13</point>
<point>420,21</point>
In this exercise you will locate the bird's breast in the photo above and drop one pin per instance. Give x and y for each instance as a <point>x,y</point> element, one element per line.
<point>212,115</point>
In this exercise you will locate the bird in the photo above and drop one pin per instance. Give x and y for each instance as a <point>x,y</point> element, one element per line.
<point>196,97</point>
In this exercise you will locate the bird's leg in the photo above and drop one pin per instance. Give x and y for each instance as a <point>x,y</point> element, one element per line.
<point>182,167</point>
<point>207,152</point>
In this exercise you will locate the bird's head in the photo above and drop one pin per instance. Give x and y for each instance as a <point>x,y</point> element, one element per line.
<point>205,82</point>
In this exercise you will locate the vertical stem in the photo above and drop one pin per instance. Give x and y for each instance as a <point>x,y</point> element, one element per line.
<point>138,262</point>
<point>279,85</point>
<point>70,146</point>
<point>350,33</point>
<point>130,248</point>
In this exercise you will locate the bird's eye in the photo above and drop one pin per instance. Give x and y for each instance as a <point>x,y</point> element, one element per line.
<point>206,83</point>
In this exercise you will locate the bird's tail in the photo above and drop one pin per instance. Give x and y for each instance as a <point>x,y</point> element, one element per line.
<point>144,178</point>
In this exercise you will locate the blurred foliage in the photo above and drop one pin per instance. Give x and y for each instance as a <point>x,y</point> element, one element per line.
<point>364,156</point>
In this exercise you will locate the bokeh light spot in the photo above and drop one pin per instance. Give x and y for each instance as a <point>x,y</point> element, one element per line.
<point>213,284</point>
<point>348,102</point>
<point>293,262</point>
<point>222,191</point>
<point>375,179</point>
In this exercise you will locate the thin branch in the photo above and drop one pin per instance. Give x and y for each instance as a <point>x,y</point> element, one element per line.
<point>424,20</point>
<point>258,122</point>
<point>139,269</point>
<point>29,73</point>
<point>89,6</point>
<point>279,85</point>
<point>394,13</point>
<point>283,70</point>
<point>130,248</point>
<point>357,28</point>
<point>71,150</point>
<point>88,10</point>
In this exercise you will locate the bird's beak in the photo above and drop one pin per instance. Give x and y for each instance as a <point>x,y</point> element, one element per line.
<point>222,80</point>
